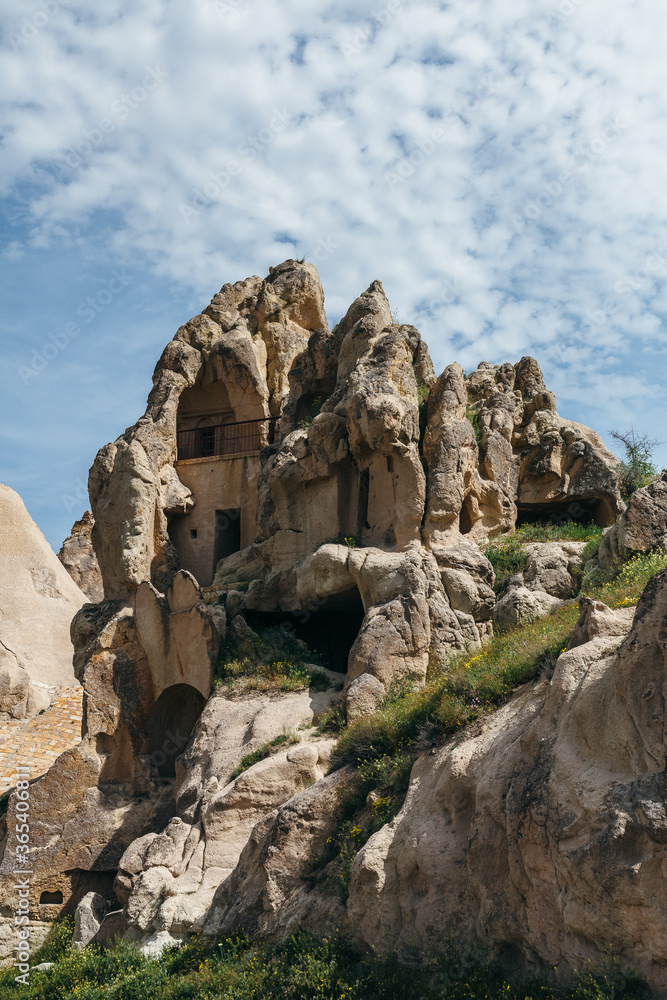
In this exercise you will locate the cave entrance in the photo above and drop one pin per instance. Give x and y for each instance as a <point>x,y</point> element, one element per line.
<point>170,724</point>
<point>227,536</point>
<point>592,510</point>
<point>330,630</point>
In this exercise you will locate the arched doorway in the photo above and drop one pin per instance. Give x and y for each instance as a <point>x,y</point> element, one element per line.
<point>170,724</point>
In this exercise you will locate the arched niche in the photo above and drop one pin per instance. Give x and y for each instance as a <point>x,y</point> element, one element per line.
<point>204,405</point>
<point>170,724</point>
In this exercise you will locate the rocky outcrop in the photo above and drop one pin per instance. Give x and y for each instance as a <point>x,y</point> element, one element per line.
<point>325,480</point>
<point>78,557</point>
<point>38,600</point>
<point>544,834</point>
<point>357,454</point>
<point>641,528</point>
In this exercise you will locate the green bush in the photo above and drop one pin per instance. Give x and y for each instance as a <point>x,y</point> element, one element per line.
<point>507,555</point>
<point>637,468</point>
<point>626,588</point>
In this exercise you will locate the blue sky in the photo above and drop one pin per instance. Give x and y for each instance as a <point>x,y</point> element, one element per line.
<point>500,167</point>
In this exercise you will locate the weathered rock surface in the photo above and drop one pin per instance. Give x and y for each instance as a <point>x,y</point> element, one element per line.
<point>38,600</point>
<point>520,605</point>
<point>545,833</point>
<point>88,918</point>
<point>350,459</point>
<point>299,471</point>
<point>642,527</point>
<point>78,557</point>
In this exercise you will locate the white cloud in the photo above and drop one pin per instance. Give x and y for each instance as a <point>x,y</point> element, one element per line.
<point>513,234</point>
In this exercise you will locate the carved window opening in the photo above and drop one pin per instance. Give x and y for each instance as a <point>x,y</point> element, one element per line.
<point>170,724</point>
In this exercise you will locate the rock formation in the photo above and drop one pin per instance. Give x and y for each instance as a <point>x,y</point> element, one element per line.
<point>641,528</point>
<point>37,603</point>
<point>351,456</point>
<point>325,481</point>
<point>78,557</point>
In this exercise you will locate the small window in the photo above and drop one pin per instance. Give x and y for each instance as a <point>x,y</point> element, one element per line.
<point>193,532</point>
<point>51,897</point>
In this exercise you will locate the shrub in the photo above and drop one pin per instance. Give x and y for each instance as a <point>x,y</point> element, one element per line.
<point>507,555</point>
<point>264,751</point>
<point>637,468</point>
<point>274,660</point>
<point>628,586</point>
<point>472,414</point>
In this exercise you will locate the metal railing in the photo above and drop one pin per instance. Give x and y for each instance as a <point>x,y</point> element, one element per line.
<point>226,439</point>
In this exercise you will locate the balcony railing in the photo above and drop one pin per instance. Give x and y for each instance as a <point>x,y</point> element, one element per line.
<point>226,439</point>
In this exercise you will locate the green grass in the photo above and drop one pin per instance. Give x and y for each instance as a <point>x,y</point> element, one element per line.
<point>264,751</point>
<point>626,588</point>
<point>459,692</point>
<point>303,968</point>
<point>274,661</point>
<point>507,555</point>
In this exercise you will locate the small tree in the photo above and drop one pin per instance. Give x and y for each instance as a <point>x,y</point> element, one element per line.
<point>636,468</point>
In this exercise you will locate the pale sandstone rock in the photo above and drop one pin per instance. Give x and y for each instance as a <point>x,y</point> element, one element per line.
<point>38,600</point>
<point>78,557</point>
<point>364,695</point>
<point>263,348</point>
<point>642,527</point>
<point>546,832</point>
<point>554,567</point>
<point>520,605</point>
<point>267,893</point>
<point>88,918</point>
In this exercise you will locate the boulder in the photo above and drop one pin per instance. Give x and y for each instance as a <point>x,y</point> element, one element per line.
<point>554,567</point>
<point>520,605</point>
<point>88,918</point>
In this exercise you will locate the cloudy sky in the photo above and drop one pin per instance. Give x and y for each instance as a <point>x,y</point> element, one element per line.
<point>499,166</point>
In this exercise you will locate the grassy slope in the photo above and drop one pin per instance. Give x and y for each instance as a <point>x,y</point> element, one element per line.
<point>302,969</point>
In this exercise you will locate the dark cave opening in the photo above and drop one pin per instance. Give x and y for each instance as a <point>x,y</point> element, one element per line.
<point>330,629</point>
<point>591,510</point>
<point>170,724</point>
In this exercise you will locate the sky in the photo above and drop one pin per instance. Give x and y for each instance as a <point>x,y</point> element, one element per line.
<point>498,166</point>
